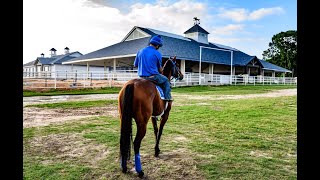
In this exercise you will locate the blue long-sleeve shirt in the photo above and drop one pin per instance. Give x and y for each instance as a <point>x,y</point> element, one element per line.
<point>148,61</point>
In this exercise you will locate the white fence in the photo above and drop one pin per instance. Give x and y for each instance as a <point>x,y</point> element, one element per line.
<point>83,79</point>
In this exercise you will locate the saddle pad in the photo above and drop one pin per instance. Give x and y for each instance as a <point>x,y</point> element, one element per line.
<point>160,91</point>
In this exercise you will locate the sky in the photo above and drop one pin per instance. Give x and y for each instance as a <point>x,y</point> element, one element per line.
<point>89,25</point>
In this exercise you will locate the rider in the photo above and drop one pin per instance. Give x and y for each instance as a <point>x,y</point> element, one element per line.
<point>149,63</point>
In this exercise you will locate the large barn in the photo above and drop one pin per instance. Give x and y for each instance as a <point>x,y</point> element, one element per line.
<point>190,50</point>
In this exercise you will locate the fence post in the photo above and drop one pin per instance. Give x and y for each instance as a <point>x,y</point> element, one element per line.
<point>270,80</point>
<point>187,79</point>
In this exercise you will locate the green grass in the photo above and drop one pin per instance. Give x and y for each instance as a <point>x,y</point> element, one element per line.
<point>226,139</point>
<point>55,92</point>
<point>229,90</point>
<point>76,104</point>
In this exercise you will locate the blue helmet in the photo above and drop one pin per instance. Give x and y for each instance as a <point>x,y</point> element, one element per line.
<point>156,40</point>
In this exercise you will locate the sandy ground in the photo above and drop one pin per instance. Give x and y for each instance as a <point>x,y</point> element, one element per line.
<point>65,98</point>
<point>33,117</point>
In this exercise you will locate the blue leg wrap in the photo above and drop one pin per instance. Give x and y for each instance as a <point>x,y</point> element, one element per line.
<point>137,163</point>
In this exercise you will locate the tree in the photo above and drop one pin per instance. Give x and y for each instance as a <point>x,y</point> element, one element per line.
<point>283,50</point>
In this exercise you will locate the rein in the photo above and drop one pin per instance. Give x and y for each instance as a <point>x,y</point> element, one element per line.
<point>174,69</point>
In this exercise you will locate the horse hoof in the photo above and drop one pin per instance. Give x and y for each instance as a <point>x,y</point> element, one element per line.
<point>156,154</point>
<point>140,174</point>
<point>124,170</point>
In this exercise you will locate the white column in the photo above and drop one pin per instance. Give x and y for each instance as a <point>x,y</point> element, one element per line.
<point>104,69</point>
<point>183,66</point>
<point>211,66</point>
<point>114,65</point>
<point>234,70</point>
<point>200,66</point>
<point>231,73</point>
<point>88,66</point>
<point>273,74</point>
<point>248,71</point>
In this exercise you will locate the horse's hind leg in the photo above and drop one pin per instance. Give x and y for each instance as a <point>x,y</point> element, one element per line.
<point>155,130</point>
<point>163,121</point>
<point>141,132</point>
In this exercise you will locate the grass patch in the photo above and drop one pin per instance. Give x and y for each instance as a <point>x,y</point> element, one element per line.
<point>76,104</point>
<point>229,90</point>
<point>55,92</point>
<point>226,139</point>
<point>54,171</point>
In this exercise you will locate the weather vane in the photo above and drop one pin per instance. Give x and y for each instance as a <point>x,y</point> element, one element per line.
<point>196,20</point>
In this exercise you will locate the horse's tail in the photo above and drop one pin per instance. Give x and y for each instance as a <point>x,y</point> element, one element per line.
<point>126,122</point>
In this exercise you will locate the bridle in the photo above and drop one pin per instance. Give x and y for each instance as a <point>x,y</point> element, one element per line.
<point>175,70</point>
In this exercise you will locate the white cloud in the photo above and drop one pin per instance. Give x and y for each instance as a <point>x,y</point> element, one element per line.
<point>237,15</point>
<point>260,13</point>
<point>85,27</point>
<point>228,29</point>
<point>241,14</point>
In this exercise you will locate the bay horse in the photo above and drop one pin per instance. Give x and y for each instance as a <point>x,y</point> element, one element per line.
<point>140,100</point>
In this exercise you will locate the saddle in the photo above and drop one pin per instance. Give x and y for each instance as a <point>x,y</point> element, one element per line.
<point>159,89</point>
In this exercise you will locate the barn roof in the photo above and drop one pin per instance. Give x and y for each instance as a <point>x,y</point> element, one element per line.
<point>269,66</point>
<point>52,60</point>
<point>196,28</point>
<point>181,47</point>
<point>30,63</point>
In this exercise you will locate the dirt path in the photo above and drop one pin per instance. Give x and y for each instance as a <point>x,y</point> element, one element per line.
<point>65,98</point>
<point>275,93</point>
<point>34,117</point>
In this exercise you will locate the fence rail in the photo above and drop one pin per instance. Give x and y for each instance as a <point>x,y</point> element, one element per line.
<point>83,79</point>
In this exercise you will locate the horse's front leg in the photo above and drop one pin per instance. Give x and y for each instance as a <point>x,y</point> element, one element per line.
<point>141,132</point>
<point>163,121</point>
<point>155,130</point>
